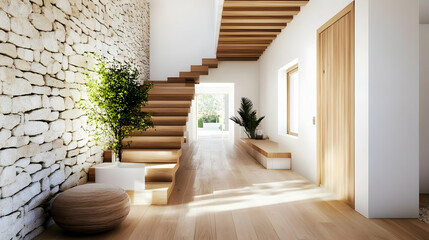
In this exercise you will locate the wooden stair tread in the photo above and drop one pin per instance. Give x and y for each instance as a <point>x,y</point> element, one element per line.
<point>169,104</point>
<point>171,97</point>
<point>200,69</point>
<point>170,120</point>
<point>154,142</point>
<point>210,62</point>
<point>151,155</point>
<point>155,111</point>
<point>179,80</point>
<point>166,84</point>
<point>162,130</point>
<point>189,74</point>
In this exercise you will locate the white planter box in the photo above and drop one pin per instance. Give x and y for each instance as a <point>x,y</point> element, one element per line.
<point>129,176</point>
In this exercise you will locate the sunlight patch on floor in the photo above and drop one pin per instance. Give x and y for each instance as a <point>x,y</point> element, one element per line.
<point>259,195</point>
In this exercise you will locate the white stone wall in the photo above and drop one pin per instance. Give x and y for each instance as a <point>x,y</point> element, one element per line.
<point>44,147</point>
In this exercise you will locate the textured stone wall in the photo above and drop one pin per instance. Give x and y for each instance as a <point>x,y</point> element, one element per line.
<point>44,147</point>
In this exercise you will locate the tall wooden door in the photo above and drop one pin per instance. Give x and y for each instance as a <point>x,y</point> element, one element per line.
<point>335,105</point>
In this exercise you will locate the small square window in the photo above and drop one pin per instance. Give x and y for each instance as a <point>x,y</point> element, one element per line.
<point>292,100</point>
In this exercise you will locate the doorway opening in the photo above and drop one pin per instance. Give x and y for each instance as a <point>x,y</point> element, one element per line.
<point>212,115</point>
<point>212,108</point>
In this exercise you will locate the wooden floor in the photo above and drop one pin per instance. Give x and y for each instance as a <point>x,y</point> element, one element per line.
<point>222,193</point>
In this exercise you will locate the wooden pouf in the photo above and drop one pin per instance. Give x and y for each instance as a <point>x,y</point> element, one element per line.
<point>91,208</point>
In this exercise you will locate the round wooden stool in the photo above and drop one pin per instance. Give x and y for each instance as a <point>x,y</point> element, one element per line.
<point>91,208</point>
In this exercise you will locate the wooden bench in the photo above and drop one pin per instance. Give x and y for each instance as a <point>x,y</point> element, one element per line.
<point>268,153</point>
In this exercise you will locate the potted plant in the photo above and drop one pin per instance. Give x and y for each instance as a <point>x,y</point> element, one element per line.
<point>113,107</point>
<point>247,118</point>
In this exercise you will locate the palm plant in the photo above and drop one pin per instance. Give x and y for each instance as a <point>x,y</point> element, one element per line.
<point>248,118</point>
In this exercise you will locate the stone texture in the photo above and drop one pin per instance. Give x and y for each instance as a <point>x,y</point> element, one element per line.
<point>5,104</point>
<point>35,79</point>
<point>8,176</point>
<point>8,49</point>
<point>32,128</point>
<point>4,21</point>
<point>39,114</point>
<point>22,26</point>
<point>22,181</point>
<point>49,41</point>
<point>44,146</point>
<point>8,156</point>
<point>9,121</point>
<point>25,54</point>
<point>38,68</point>
<point>17,87</point>
<point>26,103</point>
<point>41,22</point>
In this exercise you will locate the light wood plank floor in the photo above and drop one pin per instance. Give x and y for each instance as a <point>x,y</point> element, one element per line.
<point>222,193</point>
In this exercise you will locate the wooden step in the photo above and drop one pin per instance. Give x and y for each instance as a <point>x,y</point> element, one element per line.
<point>190,75</point>
<point>156,193</point>
<point>167,111</point>
<point>160,172</point>
<point>170,120</point>
<point>164,90</point>
<point>200,69</point>
<point>162,131</point>
<point>179,80</point>
<point>154,142</point>
<point>170,97</point>
<point>210,62</point>
<point>161,84</point>
<point>169,104</point>
<point>151,155</point>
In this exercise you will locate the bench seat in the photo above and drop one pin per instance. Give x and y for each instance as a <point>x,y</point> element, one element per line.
<point>268,153</point>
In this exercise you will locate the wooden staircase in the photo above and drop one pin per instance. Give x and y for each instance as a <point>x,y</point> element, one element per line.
<point>160,148</point>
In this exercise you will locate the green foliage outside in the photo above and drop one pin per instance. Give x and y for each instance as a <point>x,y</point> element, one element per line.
<point>247,118</point>
<point>210,109</point>
<point>115,98</point>
<point>200,123</point>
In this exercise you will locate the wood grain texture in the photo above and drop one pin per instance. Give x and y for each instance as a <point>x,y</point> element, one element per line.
<point>267,148</point>
<point>290,71</point>
<point>335,121</point>
<point>91,208</point>
<point>246,22</point>
<point>223,193</point>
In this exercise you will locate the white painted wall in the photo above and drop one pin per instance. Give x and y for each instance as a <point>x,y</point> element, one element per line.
<point>182,33</point>
<point>424,109</point>
<point>244,76</point>
<point>387,140</point>
<point>393,108</point>
<point>297,41</point>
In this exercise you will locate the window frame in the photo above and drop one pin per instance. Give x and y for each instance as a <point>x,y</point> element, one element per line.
<point>290,71</point>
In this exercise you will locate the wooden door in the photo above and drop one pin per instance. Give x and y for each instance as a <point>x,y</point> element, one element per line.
<point>335,105</point>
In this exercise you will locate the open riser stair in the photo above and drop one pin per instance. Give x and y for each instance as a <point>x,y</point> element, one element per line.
<point>160,147</point>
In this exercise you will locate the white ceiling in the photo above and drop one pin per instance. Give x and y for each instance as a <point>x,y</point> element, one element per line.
<point>424,11</point>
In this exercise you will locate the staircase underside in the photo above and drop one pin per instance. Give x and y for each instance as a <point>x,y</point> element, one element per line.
<point>160,148</point>
<point>249,26</point>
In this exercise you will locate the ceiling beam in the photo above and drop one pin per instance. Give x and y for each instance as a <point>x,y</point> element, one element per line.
<point>252,27</point>
<point>260,13</point>
<point>264,3</point>
<point>256,19</point>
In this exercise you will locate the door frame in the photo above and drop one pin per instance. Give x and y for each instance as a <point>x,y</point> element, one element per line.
<point>348,9</point>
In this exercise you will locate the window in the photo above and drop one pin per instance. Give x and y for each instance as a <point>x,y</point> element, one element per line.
<point>292,100</point>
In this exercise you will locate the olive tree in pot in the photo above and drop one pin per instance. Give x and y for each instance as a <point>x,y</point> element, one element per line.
<point>113,107</point>
<point>247,118</point>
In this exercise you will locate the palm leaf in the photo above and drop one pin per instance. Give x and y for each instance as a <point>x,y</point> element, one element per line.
<point>247,117</point>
